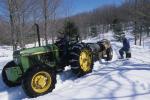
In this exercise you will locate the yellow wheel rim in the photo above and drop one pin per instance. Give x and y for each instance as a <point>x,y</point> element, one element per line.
<point>85,60</point>
<point>41,82</point>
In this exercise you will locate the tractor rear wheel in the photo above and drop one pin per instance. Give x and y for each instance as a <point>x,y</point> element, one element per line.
<point>4,76</point>
<point>39,80</point>
<point>81,59</point>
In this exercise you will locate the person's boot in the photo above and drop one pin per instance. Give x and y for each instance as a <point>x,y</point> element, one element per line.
<point>128,54</point>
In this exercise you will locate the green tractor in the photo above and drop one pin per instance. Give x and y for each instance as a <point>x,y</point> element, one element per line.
<point>35,68</point>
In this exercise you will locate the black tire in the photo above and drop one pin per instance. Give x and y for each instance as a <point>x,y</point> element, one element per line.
<point>4,76</point>
<point>109,53</point>
<point>74,61</point>
<point>31,88</point>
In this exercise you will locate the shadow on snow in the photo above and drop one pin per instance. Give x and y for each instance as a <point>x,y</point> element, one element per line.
<point>105,77</point>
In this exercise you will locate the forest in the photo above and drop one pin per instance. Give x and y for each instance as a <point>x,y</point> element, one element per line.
<point>17,18</point>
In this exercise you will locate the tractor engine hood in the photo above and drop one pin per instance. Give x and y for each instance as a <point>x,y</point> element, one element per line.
<point>34,51</point>
<point>19,54</point>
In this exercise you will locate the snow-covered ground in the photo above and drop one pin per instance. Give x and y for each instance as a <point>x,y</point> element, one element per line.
<point>114,80</point>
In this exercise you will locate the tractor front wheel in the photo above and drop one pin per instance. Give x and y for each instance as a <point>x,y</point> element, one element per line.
<point>4,76</point>
<point>39,80</point>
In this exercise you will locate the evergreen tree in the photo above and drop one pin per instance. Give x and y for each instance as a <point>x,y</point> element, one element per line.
<point>93,31</point>
<point>71,30</point>
<point>117,29</point>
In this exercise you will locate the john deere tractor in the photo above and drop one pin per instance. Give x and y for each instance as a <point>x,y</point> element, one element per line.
<point>36,68</point>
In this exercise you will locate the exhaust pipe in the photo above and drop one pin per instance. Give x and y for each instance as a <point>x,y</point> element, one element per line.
<point>38,33</point>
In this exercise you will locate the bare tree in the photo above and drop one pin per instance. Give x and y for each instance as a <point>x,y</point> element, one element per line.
<point>45,10</point>
<point>12,22</point>
<point>49,11</point>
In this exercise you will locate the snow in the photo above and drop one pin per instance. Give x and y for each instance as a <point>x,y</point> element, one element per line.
<point>113,80</point>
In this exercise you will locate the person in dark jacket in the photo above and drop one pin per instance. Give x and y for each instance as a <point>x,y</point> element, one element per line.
<point>125,48</point>
<point>62,43</point>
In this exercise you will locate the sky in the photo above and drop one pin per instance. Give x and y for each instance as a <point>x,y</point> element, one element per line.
<point>79,6</point>
<point>88,5</point>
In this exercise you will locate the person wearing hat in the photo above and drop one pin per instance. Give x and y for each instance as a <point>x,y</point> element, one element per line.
<point>125,48</point>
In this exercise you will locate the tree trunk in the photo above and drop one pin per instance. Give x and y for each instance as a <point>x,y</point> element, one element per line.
<point>135,39</point>
<point>12,25</point>
<point>135,33</point>
<point>140,35</point>
<point>45,18</point>
<point>147,28</point>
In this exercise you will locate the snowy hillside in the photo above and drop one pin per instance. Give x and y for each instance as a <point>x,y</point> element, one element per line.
<point>114,80</point>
